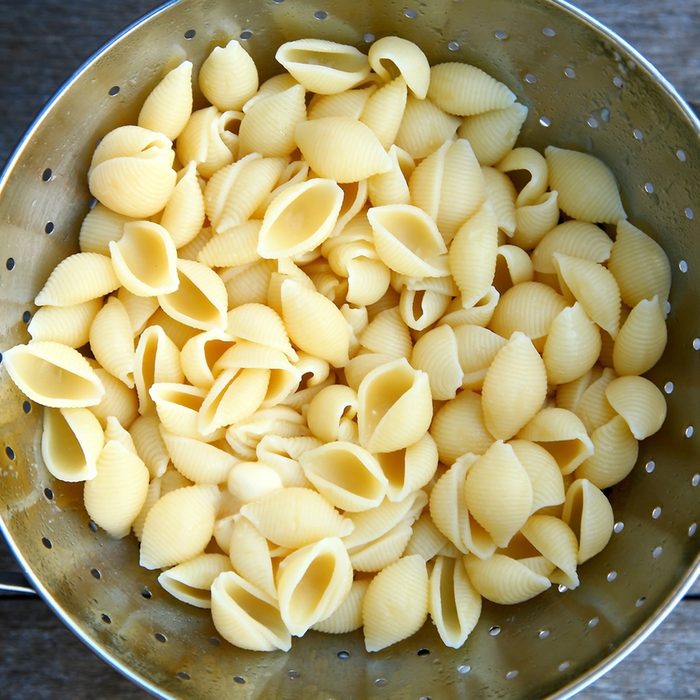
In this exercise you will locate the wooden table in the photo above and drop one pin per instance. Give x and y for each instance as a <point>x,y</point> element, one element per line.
<point>41,43</point>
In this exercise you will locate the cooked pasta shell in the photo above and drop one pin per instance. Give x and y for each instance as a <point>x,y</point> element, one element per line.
<point>118,400</point>
<point>462,89</point>
<point>238,246</point>
<point>248,481</point>
<point>145,434</point>
<point>347,617</point>
<point>554,539</point>
<point>593,407</point>
<point>354,199</point>
<point>640,265</point>
<point>533,221</point>
<point>157,359</point>
<point>139,309</point>
<point>191,581</point>
<point>576,238</point>
<point>384,110</point>
<point>394,407</point>
<point>472,255</point>
<point>437,354</point>
<point>200,354</point>
<point>269,126</point>
<point>68,325</point>
<point>331,412</point>
<point>246,616</point>
<point>169,105</point>
<point>115,431</point>
<point>112,342</point>
<point>426,540</point>
<point>198,461</point>
<point>341,149</point>
<point>250,555</point>
<point>589,514</point>
<point>77,279</point>
<point>409,469</point>
<point>493,134</point>
<point>421,308</point>
<point>99,227</point>
<point>191,250</point>
<point>543,472</point>
<point>268,425</point>
<point>114,497</point>
<point>228,77</point>
<point>513,267</point>
<point>272,86</point>
<point>391,56</point>
<point>641,340</point>
<point>247,284</point>
<point>260,324</point>
<point>401,586</point>
<point>178,407</point>
<point>201,141</point>
<point>178,526</point>
<point>454,605</point>
<point>183,216</point>
<point>572,346</point>
<point>315,518</point>
<point>569,395</point>
<point>514,388</point>
<point>504,580</point>
<point>152,495</point>
<point>391,187</point>
<point>53,374</point>
<point>387,334</point>
<point>639,402</point>
<point>349,103</point>
<point>361,365</point>
<point>424,128</point>
<point>532,162</point>
<point>476,348</point>
<point>282,453</point>
<point>314,323</point>
<point>178,332</point>
<point>615,451</point>
<point>501,194</point>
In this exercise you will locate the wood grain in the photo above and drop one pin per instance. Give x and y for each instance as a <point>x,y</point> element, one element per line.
<point>41,43</point>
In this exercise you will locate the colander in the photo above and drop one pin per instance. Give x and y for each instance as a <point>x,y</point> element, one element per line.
<point>585,89</point>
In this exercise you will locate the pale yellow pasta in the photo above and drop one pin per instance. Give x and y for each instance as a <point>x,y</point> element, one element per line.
<point>476,348</point>
<point>281,454</point>
<point>139,309</point>
<point>183,216</point>
<point>53,374</point>
<point>112,342</point>
<point>642,339</point>
<point>361,365</point>
<point>249,553</point>
<point>248,481</point>
<point>228,77</point>
<point>190,251</point>
<point>409,469</point>
<point>118,400</point>
<point>640,266</point>
<point>367,277</point>
<point>114,496</point>
<point>178,332</point>
<point>437,354</point>
<point>501,193</point>
<point>115,431</point>
<point>492,134</point>
<point>555,540</point>
<point>533,221</point>
<point>543,471</point>
<point>169,105</point>
<point>639,402</point>
<point>391,187</point>
<point>68,325</point>
<point>146,436</point>
<point>238,246</point>
<point>260,324</point>
<point>198,461</point>
<point>153,493</point>
<point>514,387</point>
<point>77,279</point>
<point>462,89</point>
<point>199,355</point>
<point>569,395</point>
<point>384,110</point>
<point>99,227</point>
<point>513,267</point>
<point>191,581</point>
<point>504,580</point>
<point>576,238</point>
<point>272,86</point>
<point>249,283</point>
<point>347,617</point>
<point>590,516</point>
<point>201,141</point>
<point>177,406</point>
<point>426,540</point>
<point>391,56</point>
<point>387,334</point>
<point>156,359</point>
<point>349,103</point>
<point>405,584</point>
<point>421,308</point>
<point>529,160</point>
<point>330,414</point>
<point>593,408</point>
<point>424,127</point>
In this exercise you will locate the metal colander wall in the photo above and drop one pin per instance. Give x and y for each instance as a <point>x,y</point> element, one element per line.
<point>585,90</point>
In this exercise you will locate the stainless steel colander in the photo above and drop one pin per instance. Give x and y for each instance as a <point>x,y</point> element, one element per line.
<point>587,90</point>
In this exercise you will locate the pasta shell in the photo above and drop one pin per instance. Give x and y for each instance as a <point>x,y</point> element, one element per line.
<point>268,425</point>
<point>169,105</point>
<point>642,338</point>
<point>99,227</point>
<point>354,199</point>
<point>576,238</point>
<point>493,134</point>
<point>139,309</point>
<point>387,334</point>
<point>270,125</point>
<point>157,359</point>
<point>615,452</point>
<point>118,400</point>
<point>514,388</point>
<point>250,556</point>
<point>178,407</point>
<point>114,497</point>
<point>198,461</point>
<point>178,526</point>
<point>476,348</point>
<point>543,472</point>
<point>472,255</point>
<point>272,86</point>
<point>52,374</point>
<point>572,346</point>
<point>421,308</point>
<point>77,279</point>
<point>401,586</point>
<point>331,412</point>
<point>201,141</point>
<point>191,581</point>
<point>589,514</point>
<point>312,583</point>
<point>152,495</point>
<point>238,246</point>
<point>248,481</point>
<point>593,408</point>
<point>183,216</point>
<point>145,433</point>
<point>116,432</point>
<point>246,616</point>
<point>531,161</point>
<point>640,265</point>
<point>341,149</point>
<point>248,284</point>
<point>394,407</point>
<point>392,55</point>
<point>300,218</point>
<point>68,325</point>
<point>500,192</point>
<point>555,540</point>
<point>71,443</point>
<point>112,342</point>
<point>259,324</point>
<point>315,518</point>
<point>513,267</point>
<point>426,540</point>
<point>200,354</point>
<point>144,259</point>
<point>454,606</point>
<point>349,103</point>
<point>384,110</point>
<point>639,402</point>
<point>282,453</point>
<point>462,89</point>
<point>409,469</point>
<point>314,323</point>
<point>424,128</point>
<point>347,617</point>
<point>437,354</point>
<point>533,221</point>
<point>504,580</point>
<point>391,187</point>
<point>361,365</point>
<point>228,77</point>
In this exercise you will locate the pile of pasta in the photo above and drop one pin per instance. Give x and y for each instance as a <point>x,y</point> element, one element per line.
<point>339,353</point>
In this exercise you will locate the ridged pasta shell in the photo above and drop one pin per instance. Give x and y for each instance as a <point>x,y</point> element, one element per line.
<point>639,402</point>
<point>183,216</point>
<point>260,324</point>
<point>71,442</point>
<point>640,265</point>
<point>347,617</point>
<point>114,497</point>
<point>157,359</point>
<point>178,407</point>
<point>513,267</point>
<point>426,540</point>
<point>228,77</point>
<point>145,433</point>
<point>331,412</point>
<point>139,309</point>
<point>572,346</point>
<point>272,86</point>
<point>248,481</point>
<point>250,556</point>
<point>300,218</point>
<point>387,334</point>
<point>349,103</point>
<point>514,388</point>
<point>77,279</point>
<point>68,325</point>
<point>115,431</point>
<point>314,323</point>
<point>641,340</point>
<point>178,526</point>
<point>341,149</point>
<point>201,141</point>
<point>282,453</point>
<point>394,407</point>
<point>99,227</point>
<point>246,616</point>
<point>198,461</point>
<point>152,495</point>
<point>384,110</point>
<point>576,238</point>
<point>312,583</point>
<point>454,606</point>
<point>269,126</point>
<point>476,348</point>
<point>543,471</point>
<point>589,514</point>
<point>501,194</point>
<point>593,408</point>
<point>112,342</point>
<point>421,308</point>
<point>222,187</point>
<point>169,105</point>
<point>361,365</point>
<point>238,246</point>
<point>462,89</point>
<point>409,469</point>
<point>274,424</point>
<point>382,551</point>
<point>315,518</point>
<point>555,540</point>
<point>191,581</point>
<point>118,400</point>
<point>437,354</point>
<point>492,134</point>
<point>424,128</point>
<point>401,586</point>
<point>391,187</point>
<point>504,580</point>
<point>52,374</point>
<point>200,354</point>
<point>392,55</point>
<point>531,161</point>
<point>354,199</point>
<point>448,186</point>
<point>533,221</point>
<point>248,284</point>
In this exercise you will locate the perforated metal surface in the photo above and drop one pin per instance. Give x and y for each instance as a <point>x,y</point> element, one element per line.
<point>585,91</point>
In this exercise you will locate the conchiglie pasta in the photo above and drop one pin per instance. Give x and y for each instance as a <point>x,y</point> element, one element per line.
<point>331,412</point>
<point>392,55</point>
<point>533,221</point>
<point>387,334</point>
<point>589,514</point>
<point>191,581</point>
<point>228,77</point>
<point>68,325</point>
<point>248,481</point>
<point>112,342</point>
<point>409,469</point>
<point>183,216</point>
<point>347,617</point>
<point>349,103</point>
<point>146,436</point>
<point>513,267</point>
<point>555,540</point>
<point>639,402</point>
<point>424,127</point>
<point>501,194</point>
<point>99,227</point>
<point>593,407</point>
<point>641,340</point>
<point>436,353</point>
<point>576,238</point>
<point>426,540</point>
<point>249,553</point>
<point>201,141</point>
<point>156,359</point>
<point>118,400</point>
<point>391,187</point>
<point>492,134</point>
<point>543,471</point>
<point>169,105</point>
<point>246,284</point>
<point>384,110</point>
<point>476,348</point>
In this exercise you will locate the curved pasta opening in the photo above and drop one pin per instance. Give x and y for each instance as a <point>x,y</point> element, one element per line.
<point>448,602</point>
<point>335,60</point>
<point>385,391</point>
<point>264,613</point>
<point>51,381</point>
<point>346,471</point>
<point>64,448</point>
<point>312,587</point>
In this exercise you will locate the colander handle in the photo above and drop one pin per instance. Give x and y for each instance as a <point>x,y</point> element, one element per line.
<point>14,585</point>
